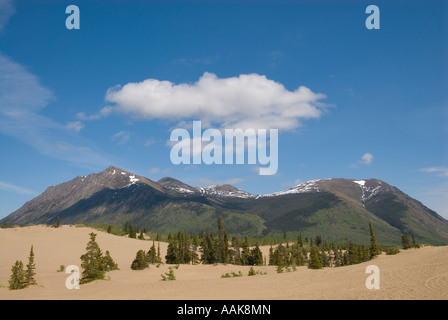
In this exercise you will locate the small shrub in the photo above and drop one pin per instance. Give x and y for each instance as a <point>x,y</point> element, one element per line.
<point>232,275</point>
<point>169,276</point>
<point>392,251</point>
<point>252,272</point>
<point>61,268</point>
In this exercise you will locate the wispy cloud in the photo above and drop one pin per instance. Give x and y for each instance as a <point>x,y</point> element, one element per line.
<point>84,117</point>
<point>16,189</point>
<point>121,137</point>
<point>158,171</point>
<point>149,142</point>
<point>440,171</point>
<point>75,126</point>
<point>436,197</point>
<point>22,98</point>
<point>366,160</point>
<point>7,9</point>
<point>196,61</point>
<point>209,182</point>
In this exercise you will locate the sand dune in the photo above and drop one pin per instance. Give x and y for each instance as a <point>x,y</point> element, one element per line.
<point>412,274</point>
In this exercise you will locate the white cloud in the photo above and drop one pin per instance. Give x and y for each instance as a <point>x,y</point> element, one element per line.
<point>121,137</point>
<point>246,101</point>
<point>7,9</point>
<point>75,126</point>
<point>441,171</point>
<point>209,182</point>
<point>84,117</point>
<point>16,189</point>
<point>367,159</point>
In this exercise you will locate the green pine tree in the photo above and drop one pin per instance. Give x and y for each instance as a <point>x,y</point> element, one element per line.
<point>405,242</point>
<point>18,277</point>
<point>171,254</point>
<point>256,257</point>
<point>30,269</point>
<point>58,222</point>
<point>375,248</point>
<point>139,262</point>
<point>315,262</point>
<point>92,262</point>
<point>414,243</point>
<point>299,240</point>
<point>151,256</point>
<point>108,263</point>
<point>245,253</point>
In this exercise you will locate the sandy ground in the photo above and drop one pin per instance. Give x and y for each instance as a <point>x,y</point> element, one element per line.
<point>412,274</point>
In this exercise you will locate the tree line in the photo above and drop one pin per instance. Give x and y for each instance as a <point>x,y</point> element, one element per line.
<point>207,248</point>
<point>317,254</point>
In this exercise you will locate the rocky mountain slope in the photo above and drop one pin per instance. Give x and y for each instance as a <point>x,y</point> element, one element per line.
<point>337,209</point>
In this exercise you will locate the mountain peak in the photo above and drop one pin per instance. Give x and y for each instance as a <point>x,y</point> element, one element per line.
<point>115,195</point>
<point>176,185</point>
<point>227,190</point>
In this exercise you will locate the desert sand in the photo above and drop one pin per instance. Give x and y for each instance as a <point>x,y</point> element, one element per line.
<point>412,274</point>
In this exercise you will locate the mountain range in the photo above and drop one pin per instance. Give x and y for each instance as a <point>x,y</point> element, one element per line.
<point>337,209</point>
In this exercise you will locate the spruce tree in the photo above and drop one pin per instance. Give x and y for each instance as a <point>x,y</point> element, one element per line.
<point>256,257</point>
<point>324,258</point>
<point>315,262</point>
<point>171,254</point>
<point>226,248</point>
<point>92,262</point>
<point>414,243</point>
<point>220,255</point>
<point>245,253</point>
<point>405,242</point>
<point>18,277</point>
<point>236,251</point>
<point>139,262</point>
<point>108,263</point>
<point>375,248</point>
<point>271,256</point>
<point>58,222</point>
<point>299,240</point>
<point>30,269</point>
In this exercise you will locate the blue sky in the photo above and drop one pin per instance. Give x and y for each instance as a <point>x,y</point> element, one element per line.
<point>378,99</point>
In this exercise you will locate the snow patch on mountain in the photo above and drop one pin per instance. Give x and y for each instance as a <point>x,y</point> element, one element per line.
<point>369,191</point>
<point>305,187</point>
<point>226,191</point>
